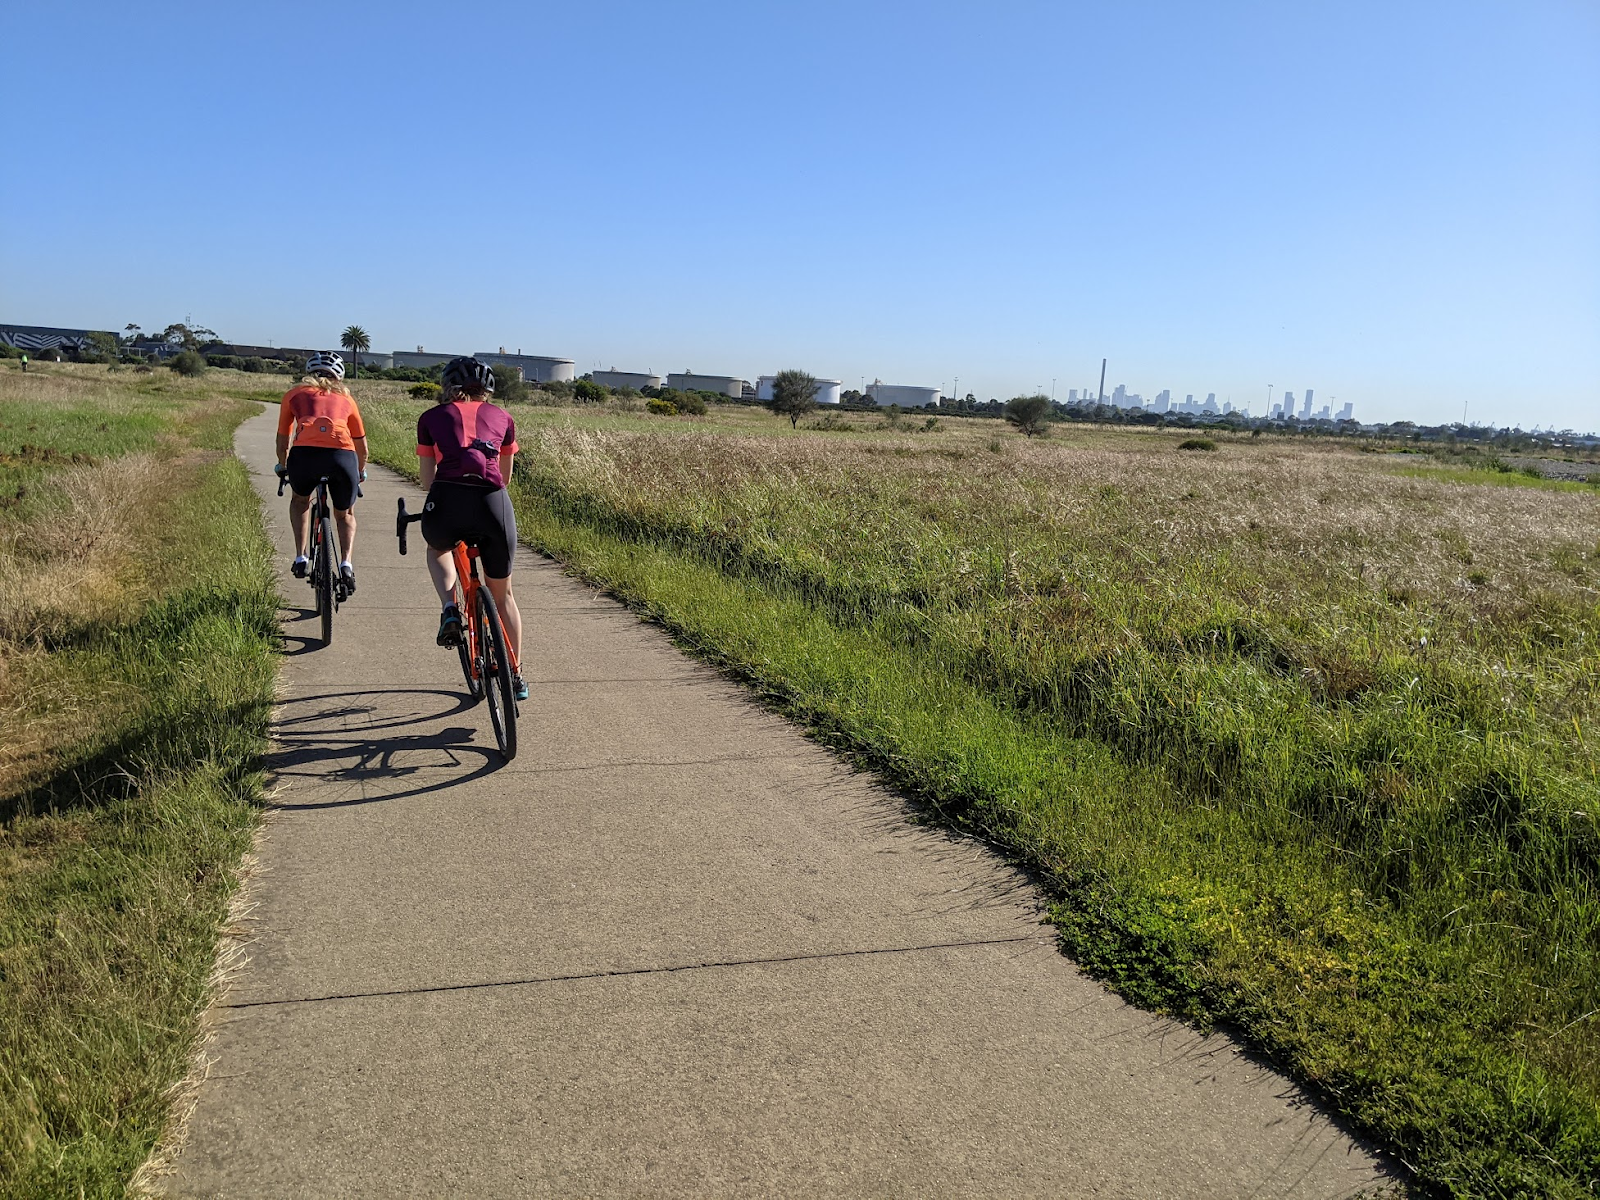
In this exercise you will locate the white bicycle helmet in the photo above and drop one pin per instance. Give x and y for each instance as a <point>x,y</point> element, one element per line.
<point>325,362</point>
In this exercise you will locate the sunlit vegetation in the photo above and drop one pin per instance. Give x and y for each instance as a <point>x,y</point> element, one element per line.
<point>1303,740</point>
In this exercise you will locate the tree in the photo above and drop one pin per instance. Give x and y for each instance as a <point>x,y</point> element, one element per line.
<point>1028,413</point>
<point>130,331</point>
<point>509,386</point>
<point>794,393</point>
<point>179,334</point>
<point>102,347</point>
<point>355,340</point>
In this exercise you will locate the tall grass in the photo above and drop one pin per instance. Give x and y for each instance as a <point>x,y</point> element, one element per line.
<point>137,621</point>
<point>1306,745</point>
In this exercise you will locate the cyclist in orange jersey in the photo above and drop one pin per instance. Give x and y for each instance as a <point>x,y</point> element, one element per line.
<point>320,433</point>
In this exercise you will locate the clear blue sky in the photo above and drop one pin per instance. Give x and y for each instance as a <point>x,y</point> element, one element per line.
<point>1394,204</point>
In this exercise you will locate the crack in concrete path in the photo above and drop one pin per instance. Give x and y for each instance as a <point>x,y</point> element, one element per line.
<point>620,972</point>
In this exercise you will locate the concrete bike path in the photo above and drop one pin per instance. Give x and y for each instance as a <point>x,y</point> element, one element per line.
<point>673,949</point>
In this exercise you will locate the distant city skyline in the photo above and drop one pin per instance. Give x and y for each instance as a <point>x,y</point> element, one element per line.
<point>1389,226</point>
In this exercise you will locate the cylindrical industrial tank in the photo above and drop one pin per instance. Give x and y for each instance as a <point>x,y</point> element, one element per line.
<point>904,395</point>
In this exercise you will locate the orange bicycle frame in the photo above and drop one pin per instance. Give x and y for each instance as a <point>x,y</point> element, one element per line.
<point>466,573</point>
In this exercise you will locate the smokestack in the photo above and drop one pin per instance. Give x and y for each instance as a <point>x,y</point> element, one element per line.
<point>1102,399</point>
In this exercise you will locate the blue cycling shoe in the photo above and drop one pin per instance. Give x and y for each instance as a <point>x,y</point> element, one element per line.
<point>519,687</point>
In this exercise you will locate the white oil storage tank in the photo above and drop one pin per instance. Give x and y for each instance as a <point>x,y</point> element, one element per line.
<point>828,390</point>
<point>536,368</point>
<point>629,379</point>
<point>904,395</point>
<point>724,385</point>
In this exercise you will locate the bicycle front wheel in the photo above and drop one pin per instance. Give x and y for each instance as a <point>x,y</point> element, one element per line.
<point>494,659</point>
<point>325,579</point>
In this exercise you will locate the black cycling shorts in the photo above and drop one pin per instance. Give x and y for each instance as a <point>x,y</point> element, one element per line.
<point>308,464</point>
<point>479,516</point>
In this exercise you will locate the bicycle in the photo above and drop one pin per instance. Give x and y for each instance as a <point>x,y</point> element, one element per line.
<point>487,662</point>
<point>327,585</point>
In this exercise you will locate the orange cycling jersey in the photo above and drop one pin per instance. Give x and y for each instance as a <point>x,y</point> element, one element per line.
<point>320,418</point>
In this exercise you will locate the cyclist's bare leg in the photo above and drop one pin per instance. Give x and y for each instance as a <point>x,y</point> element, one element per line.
<point>500,589</point>
<point>299,521</point>
<point>442,569</point>
<point>344,519</point>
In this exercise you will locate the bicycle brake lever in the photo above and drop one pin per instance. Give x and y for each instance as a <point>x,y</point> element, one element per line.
<point>400,523</point>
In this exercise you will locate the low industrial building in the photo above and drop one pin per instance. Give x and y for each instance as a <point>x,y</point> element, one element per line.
<point>828,390</point>
<point>281,353</point>
<point>724,385</point>
<point>536,368</point>
<point>421,360</point>
<point>34,338</point>
<point>614,378</point>
<point>904,395</point>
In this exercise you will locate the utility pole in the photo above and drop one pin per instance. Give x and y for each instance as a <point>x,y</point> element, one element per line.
<point>1102,399</point>
<point>1269,400</point>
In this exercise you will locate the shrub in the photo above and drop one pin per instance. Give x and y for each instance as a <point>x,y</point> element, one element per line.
<point>1028,413</point>
<point>1197,444</point>
<point>692,403</point>
<point>190,363</point>
<point>832,422</point>
<point>662,408</point>
<point>425,391</point>
<point>588,391</point>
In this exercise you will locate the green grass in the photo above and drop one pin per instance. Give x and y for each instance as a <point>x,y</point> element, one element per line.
<point>1299,745</point>
<point>125,811</point>
<point>1494,477</point>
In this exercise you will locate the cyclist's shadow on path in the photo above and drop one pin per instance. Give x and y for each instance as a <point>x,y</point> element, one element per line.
<point>358,737</point>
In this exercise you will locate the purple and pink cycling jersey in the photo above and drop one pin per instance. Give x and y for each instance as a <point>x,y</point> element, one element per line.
<point>466,438</point>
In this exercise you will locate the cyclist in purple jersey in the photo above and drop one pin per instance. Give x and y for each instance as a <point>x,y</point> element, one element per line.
<point>466,446</point>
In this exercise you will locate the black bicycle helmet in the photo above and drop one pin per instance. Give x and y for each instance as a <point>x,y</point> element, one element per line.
<point>468,374</point>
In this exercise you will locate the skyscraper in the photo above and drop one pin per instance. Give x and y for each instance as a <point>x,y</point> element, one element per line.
<point>1305,412</point>
<point>1211,402</point>
<point>1119,395</point>
<point>1288,405</point>
<point>1347,413</point>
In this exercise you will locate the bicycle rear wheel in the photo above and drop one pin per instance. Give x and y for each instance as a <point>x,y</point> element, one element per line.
<point>465,648</point>
<point>495,662</point>
<point>324,568</point>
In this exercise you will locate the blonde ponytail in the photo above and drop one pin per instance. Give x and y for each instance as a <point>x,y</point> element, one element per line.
<point>323,383</point>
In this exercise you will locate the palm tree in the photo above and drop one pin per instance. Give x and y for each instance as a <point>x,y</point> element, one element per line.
<point>355,340</point>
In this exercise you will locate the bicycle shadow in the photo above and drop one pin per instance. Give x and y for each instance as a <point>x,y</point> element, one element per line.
<point>301,644</point>
<point>342,750</point>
